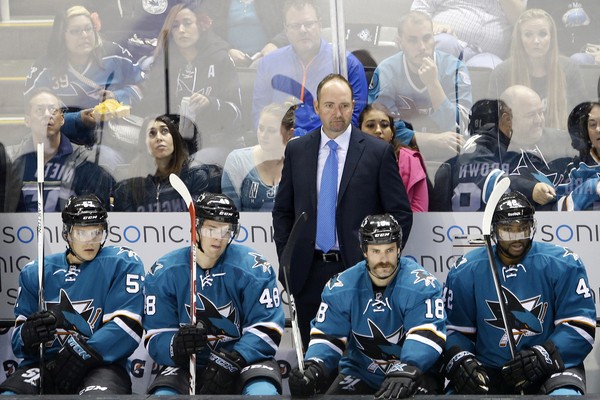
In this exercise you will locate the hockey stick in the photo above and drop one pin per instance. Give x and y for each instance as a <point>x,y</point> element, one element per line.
<point>286,259</point>
<point>183,191</point>
<point>40,244</point>
<point>486,227</point>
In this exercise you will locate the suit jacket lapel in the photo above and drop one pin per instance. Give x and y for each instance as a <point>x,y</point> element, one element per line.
<point>312,154</point>
<point>355,150</point>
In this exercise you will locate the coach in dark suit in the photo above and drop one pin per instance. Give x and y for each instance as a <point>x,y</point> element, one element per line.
<point>368,182</point>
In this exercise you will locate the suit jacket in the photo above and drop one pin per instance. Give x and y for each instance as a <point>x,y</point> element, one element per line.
<point>370,184</point>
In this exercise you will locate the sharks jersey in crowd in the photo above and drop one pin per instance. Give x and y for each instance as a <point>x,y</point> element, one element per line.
<point>237,300</point>
<point>393,85</point>
<point>549,298</point>
<point>79,90</point>
<point>579,192</point>
<point>371,330</point>
<point>100,300</point>
<point>67,173</point>
<point>154,194</point>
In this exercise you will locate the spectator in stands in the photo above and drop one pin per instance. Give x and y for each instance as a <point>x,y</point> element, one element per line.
<point>461,183</point>
<point>84,71</point>
<point>534,152</point>
<point>296,70</point>
<point>203,83</point>
<point>251,175</point>
<point>577,24</point>
<point>535,62</point>
<point>581,189</point>
<point>252,28</point>
<point>375,119</point>
<point>168,153</point>
<point>428,88</point>
<point>66,171</point>
<point>476,31</point>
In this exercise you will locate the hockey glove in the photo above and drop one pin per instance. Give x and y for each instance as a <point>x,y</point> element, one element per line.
<point>531,366</point>
<point>310,382</point>
<point>221,372</point>
<point>188,340</point>
<point>465,372</point>
<point>401,381</point>
<point>73,361</point>
<point>40,327</point>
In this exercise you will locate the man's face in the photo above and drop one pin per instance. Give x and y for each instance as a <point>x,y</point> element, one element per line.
<point>44,117</point>
<point>214,237</point>
<point>514,238</point>
<point>303,29</point>
<point>334,106</point>
<point>383,261</point>
<point>528,121</point>
<point>417,42</point>
<point>85,241</point>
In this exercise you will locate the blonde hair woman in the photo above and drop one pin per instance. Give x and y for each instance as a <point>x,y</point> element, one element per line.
<point>535,62</point>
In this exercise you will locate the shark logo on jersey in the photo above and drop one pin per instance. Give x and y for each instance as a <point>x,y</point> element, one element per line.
<point>381,349</point>
<point>155,268</point>
<point>261,262</point>
<point>529,167</point>
<point>526,316</point>
<point>423,276</point>
<point>569,252</point>
<point>222,324</point>
<point>130,252</point>
<point>334,282</point>
<point>73,316</point>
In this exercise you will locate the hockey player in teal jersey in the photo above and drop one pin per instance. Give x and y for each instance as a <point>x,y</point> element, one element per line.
<point>381,322</point>
<point>92,320</point>
<point>549,307</point>
<point>240,320</point>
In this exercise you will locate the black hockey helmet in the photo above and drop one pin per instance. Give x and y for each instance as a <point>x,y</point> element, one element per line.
<point>217,207</point>
<point>513,207</point>
<point>379,229</point>
<point>84,210</point>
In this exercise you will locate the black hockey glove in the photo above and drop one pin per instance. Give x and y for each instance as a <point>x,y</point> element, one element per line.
<point>188,340</point>
<point>40,327</point>
<point>401,381</point>
<point>465,372</point>
<point>310,382</point>
<point>531,366</point>
<point>221,372</point>
<point>73,361</point>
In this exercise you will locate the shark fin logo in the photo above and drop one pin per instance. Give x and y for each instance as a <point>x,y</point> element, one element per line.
<point>73,316</point>
<point>222,323</point>
<point>261,262</point>
<point>525,316</point>
<point>381,349</point>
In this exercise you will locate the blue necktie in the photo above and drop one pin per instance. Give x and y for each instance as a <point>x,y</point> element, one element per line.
<point>327,200</point>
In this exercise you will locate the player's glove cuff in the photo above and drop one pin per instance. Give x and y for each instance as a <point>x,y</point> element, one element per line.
<point>73,361</point>
<point>465,372</point>
<point>531,366</point>
<point>401,381</point>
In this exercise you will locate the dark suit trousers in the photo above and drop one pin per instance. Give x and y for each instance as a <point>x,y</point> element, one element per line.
<point>309,298</point>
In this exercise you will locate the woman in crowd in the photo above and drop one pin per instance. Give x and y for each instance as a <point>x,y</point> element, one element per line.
<point>202,82</point>
<point>375,119</point>
<point>535,62</point>
<point>168,155</point>
<point>251,175</point>
<point>83,71</point>
<point>581,190</point>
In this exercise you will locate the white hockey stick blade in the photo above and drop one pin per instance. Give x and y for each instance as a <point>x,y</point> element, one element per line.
<point>499,190</point>
<point>180,187</point>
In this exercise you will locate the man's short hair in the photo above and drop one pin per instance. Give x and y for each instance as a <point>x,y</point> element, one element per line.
<point>333,77</point>
<point>299,4</point>
<point>416,17</point>
<point>36,92</point>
